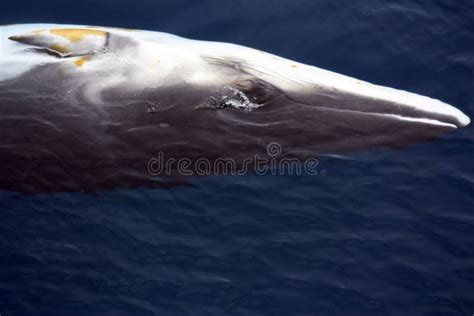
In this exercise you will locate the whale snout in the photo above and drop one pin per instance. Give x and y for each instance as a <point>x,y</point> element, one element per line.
<point>453,116</point>
<point>463,120</point>
<point>366,98</point>
<point>350,97</point>
<point>434,112</point>
<point>351,116</point>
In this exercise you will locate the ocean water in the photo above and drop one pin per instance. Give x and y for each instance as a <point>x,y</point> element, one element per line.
<point>384,232</point>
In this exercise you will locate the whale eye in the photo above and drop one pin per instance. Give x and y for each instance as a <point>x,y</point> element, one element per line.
<point>246,95</point>
<point>257,90</point>
<point>234,99</point>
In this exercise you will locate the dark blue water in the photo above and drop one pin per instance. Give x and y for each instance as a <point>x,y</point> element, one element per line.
<point>385,232</point>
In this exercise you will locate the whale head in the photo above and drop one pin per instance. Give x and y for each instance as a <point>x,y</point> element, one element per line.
<point>241,91</point>
<point>91,105</point>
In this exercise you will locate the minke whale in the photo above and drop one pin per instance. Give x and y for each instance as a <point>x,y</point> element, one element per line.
<point>84,108</point>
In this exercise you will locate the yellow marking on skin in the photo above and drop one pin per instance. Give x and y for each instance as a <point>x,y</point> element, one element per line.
<point>294,66</point>
<point>79,62</point>
<point>59,48</point>
<point>75,35</point>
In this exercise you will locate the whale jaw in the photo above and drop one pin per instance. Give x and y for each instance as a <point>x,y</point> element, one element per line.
<point>392,104</point>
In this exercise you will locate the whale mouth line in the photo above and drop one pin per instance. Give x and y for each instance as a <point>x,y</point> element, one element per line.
<point>421,120</point>
<point>427,121</point>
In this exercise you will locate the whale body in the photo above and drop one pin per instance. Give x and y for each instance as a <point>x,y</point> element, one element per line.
<point>84,108</point>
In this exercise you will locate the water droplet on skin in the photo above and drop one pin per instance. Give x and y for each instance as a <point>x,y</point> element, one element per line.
<point>234,99</point>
